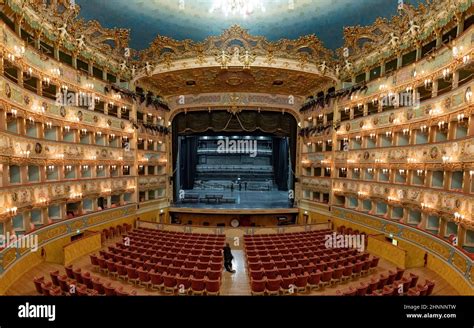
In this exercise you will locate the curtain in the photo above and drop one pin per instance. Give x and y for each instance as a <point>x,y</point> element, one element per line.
<point>188,162</point>
<point>280,162</point>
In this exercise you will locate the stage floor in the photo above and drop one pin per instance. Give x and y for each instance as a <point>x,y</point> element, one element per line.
<point>243,199</point>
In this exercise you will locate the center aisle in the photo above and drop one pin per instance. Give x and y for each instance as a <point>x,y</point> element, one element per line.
<point>236,283</point>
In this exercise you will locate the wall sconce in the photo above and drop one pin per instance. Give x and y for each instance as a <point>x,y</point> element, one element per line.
<point>447,75</point>
<point>423,206</point>
<point>46,82</point>
<point>99,133</point>
<point>112,136</point>
<point>388,134</point>
<point>357,138</point>
<point>343,169</point>
<point>370,170</point>
<point>68,168</point>
<point>423,128</point>
<point>384,171</point>
<point>441,125</point>
<point>29,73</point>
<point>64,88</point>
<point>466,59</point>
<point>420,172</point>
<point>90,86</point>
<point>14,112</point>
<point>111,104</point>
<point>372,135</point>
<point>458,217</point>
<point>84,131</point>
<point>48,125</point>
<point>446,158</point>
<point>468,94</point>
<point>428,84</point>
<point>113,167</point>
<point>346,110</point>
<point>405,131</point>
<point>100,167</point>
<point>402,172</point>
<point>50,168</point>
<point>12,210</point>
<point>356,169</point>
<point>31,120</point>
<point>25,153</point>
<point>55,71</point>
<point>67,128</point>
<point>11,57</point>
<point>460,117</point>
<point>85,167</point>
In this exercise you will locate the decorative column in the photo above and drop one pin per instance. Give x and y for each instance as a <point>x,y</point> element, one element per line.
<point>439,37</point>
<point>382,68</point>
<point>56,51</point>
<point>460,23</point>
<point>91,68</point>
<point>74,60</point>
<point>2,65</point>
<point>419,50</point>
<point>434,92</point>
<point>399,60</point>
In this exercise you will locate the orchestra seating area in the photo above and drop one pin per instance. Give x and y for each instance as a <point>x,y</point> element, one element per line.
<point>300,262</point>
<point>77,283</point>
<point>165,261</point>
<point>394,283</point>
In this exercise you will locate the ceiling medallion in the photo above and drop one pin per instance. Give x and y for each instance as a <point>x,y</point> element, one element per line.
<point>244,8</point>
<point>236,77</point>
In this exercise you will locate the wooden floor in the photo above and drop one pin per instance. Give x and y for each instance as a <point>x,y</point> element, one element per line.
<point>232,284</point>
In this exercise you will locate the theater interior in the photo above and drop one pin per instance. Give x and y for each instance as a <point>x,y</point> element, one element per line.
<point>236,148</point>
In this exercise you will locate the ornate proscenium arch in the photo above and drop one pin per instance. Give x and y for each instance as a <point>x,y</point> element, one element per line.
<point>223,122</point>
<point>236,62</point>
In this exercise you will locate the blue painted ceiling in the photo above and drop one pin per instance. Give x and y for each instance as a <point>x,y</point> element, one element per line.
<point>148,18</point>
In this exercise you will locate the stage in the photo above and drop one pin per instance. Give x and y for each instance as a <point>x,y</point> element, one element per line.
<point>235,201</point>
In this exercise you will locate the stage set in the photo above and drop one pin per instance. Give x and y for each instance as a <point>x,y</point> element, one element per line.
<point>239,165</point>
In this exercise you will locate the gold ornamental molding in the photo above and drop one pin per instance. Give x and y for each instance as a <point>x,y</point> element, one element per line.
<point>370,45</point>
<point>236,61</point>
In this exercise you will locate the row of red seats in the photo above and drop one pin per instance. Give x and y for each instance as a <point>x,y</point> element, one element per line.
<point>364,264</point>
<point>300,261</point>
<point>334,259</point>
<point>173,235</point>
<point>187,261</point>
<point>391,284</point>
<point>160,277</point>
<point>189,270</point>
<point>178,260</point>
<point>76,283</point>
<point>162,251</point>
<point>115,231</point>
<point>275,281</point>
